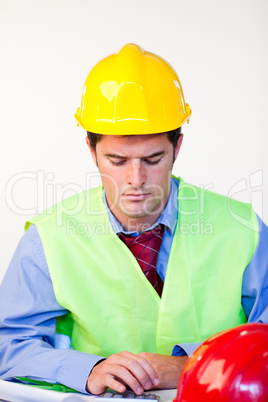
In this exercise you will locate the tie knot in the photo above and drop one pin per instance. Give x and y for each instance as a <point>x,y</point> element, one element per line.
<point>155,235</point>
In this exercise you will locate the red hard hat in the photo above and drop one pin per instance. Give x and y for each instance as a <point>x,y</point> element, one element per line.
<point>229,366</point>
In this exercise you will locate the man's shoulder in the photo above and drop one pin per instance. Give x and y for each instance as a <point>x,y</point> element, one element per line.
<point>191,192</point>
<point>213,206</point>
<point>71,206</point>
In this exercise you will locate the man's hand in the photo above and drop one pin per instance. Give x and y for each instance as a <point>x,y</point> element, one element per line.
<point>121,370</point>
<point>168,368</point>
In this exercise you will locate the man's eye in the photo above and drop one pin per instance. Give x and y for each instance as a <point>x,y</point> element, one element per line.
<point>149,162</point>
<point>117,163</point>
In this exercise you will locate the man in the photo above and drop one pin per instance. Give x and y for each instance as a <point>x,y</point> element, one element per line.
<point>87,308</point>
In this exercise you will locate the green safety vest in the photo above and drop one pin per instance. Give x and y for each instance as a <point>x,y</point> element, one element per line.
<point>112,305</point>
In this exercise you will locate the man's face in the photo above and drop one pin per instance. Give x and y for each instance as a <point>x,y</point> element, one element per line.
<point>135,172</point>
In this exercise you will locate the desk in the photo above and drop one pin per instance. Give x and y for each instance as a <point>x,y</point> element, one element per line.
<point>14,392</point>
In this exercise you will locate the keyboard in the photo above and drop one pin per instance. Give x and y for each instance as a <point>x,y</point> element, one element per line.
<point>127,396</point>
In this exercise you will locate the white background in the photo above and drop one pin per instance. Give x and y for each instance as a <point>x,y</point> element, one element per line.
<point>219,50</point>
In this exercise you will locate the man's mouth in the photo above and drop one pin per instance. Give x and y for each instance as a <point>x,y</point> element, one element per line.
<point>136,196</point>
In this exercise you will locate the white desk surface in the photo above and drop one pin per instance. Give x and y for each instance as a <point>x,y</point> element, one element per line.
<point>22,393</point>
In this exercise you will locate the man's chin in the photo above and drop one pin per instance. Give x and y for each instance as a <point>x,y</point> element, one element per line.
<point>135,213</point>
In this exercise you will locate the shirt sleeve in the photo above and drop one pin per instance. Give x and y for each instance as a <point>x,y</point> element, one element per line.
<point>254,298</point>
<point>185,349</point>
<point>28,343</point>
<point>255,280</point>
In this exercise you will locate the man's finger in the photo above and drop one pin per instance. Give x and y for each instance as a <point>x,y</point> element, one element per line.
<point>98,384</point>
<point>120,368</point>
<point>142,369</point>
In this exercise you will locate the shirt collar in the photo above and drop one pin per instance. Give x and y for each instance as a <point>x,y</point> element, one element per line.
<point>168,218</point>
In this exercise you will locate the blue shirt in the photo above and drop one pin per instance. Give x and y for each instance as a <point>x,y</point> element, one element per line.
<point>28,343</point>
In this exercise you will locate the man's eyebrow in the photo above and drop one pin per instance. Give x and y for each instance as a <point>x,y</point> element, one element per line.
<point>144,157</point>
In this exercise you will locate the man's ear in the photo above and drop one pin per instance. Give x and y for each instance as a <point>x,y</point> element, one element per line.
<point>178,147</point>
<point>93,153</point>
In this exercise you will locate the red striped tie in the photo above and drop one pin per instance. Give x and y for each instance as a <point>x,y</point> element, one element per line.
<point>145,249</point>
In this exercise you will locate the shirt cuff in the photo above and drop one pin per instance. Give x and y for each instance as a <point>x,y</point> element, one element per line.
<point>75,369</point>
<point>185,349</point>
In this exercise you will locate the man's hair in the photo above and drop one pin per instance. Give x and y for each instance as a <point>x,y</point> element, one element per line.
<point>172,135</point>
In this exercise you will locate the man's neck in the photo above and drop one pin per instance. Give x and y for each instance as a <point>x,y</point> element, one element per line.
<point>139,224</point>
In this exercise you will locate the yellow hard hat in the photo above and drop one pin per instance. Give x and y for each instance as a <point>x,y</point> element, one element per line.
<point>132,92</point>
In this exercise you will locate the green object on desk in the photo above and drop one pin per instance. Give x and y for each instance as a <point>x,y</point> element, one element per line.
<point>45,385</point>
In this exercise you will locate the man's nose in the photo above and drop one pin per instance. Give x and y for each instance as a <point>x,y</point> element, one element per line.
<point>136,175</point>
